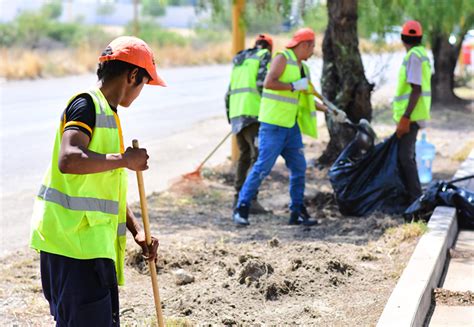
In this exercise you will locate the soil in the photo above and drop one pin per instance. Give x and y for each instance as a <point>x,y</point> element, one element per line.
<point>338,273</point>
<point>453,298</point>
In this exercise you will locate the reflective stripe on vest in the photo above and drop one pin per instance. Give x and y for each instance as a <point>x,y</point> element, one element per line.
<point>244,90</point>
<point>279,98</point>
<point>407,96</point>
<point>78,203</point>
<point>403,91</point>
<point>122,229</point>
<point>103,120</point>
<point>244,95</point>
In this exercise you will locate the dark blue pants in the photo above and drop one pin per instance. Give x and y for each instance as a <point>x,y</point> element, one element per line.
<point>80,292</point>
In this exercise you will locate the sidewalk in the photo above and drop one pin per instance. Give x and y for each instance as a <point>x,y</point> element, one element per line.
<point>459,278</point>
<point>410,303</point>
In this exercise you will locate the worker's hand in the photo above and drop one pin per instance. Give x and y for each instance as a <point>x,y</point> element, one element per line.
<point>149,252</point>
<point>301,84</point>
<point>136,159</point>
<point>403,126</point>
<point>339,116</point>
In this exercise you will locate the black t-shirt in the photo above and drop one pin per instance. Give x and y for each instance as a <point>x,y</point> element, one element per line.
<point>80,114</point>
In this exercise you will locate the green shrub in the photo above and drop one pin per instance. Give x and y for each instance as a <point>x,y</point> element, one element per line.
<point>155,34</point>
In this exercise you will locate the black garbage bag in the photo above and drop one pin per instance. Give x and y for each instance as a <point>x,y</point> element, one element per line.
<point>442,193</point>
<point>369,181</point>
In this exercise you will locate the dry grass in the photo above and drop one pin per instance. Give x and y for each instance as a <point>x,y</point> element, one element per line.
<point>406,232</point>
<point>23,64</point>
<point>17,63</point>
<point>462,154</point>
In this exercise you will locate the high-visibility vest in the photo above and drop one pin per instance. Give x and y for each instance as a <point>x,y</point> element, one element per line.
<point>244,95</point>
<point>84,216</point>
<point>402,95</point>
<point>283,107</point>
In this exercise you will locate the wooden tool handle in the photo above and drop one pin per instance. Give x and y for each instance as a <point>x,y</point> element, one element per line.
<point>146,226</point>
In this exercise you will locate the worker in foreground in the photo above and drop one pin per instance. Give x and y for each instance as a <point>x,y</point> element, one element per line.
<point>80,215</point>
<point>287,109</point>
<point>243,106</point>
<point>412,103</point>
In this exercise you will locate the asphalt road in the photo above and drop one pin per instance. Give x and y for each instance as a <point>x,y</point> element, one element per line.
<point>178,125</point>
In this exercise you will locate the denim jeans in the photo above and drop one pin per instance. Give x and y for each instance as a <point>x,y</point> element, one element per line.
<point>274,141</point>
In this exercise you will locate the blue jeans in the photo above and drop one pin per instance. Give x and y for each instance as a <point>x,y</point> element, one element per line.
<point>274,141</point>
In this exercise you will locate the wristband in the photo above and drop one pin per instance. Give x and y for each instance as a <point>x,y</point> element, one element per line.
<point>292,87</point>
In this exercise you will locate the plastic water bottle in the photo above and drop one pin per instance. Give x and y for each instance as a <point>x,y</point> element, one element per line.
<point>425,153</point>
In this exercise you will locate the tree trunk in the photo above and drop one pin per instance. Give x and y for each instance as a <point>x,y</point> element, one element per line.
<point>445,58</point>
<point>343,81</point>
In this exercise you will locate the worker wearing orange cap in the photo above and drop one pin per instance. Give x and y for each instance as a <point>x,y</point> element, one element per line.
<point>80,215</point>
<point>287,110</point>
<point>412,103</point>
<point>243,106</point>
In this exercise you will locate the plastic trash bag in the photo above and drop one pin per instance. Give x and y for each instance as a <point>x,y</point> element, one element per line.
<point>444,193</point>
<point>367,179</point>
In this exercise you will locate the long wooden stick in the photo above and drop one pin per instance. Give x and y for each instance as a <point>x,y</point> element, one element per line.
<point>146,225</point>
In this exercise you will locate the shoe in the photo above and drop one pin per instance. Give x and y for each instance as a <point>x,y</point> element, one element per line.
<point>256,208</point>
<point>301,218</point>
<point>241,215</point>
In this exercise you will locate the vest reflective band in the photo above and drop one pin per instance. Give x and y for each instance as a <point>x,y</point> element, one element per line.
<point>284,108</point>
<point>84,216</point>
<point>402,94</point>
<point>244,95</point>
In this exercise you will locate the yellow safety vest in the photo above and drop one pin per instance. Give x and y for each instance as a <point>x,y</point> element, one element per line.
<point>402,94</point>
<point>244,95</point>
<point>283,107</point>
<point>84,216</point>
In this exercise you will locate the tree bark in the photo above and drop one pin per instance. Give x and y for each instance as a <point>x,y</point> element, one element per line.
<point>445,58</point>
<point>343,80</point>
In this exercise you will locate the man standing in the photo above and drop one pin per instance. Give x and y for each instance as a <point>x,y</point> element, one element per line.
<point>287,110</point>
<point>81,215</point>
<point>243,106</point>
<point>412,103</point>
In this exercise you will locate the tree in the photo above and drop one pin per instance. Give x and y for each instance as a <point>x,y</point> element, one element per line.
<point>443,21</point>
<point>154,8</point>
<point>343,80</point>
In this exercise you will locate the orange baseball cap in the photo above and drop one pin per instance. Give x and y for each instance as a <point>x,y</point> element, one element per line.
<point>301,35</point>
<point>412,28</point>
<point>265,37</point>
<point>134,51</point>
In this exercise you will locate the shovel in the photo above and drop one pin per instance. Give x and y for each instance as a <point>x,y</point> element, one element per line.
<point>363,123</point>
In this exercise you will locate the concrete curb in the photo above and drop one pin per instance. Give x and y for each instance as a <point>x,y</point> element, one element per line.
<point>410,300</point>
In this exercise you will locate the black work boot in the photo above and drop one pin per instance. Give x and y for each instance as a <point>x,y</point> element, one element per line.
<point>241,215</point>
<point>256,208</point>
<point>301,217</point>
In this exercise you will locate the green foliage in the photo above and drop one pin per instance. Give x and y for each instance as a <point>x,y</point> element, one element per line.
<point>155,34</point>
<point>154,8</point>
<point>180,2</point>
<point>52,10</point>
<point>316,17</point>
<point>209,35</point>
<point>259,15</point>
<point>438,17</point>
<point>41,29</point>
<point>105,9</point>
